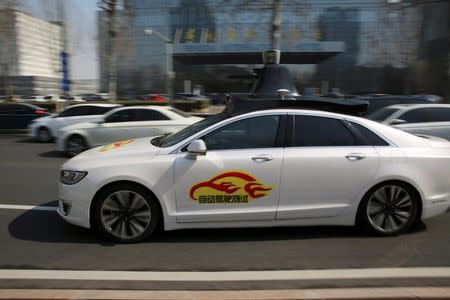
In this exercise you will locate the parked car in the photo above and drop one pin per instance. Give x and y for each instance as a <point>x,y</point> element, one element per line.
<point>92,97</point>
<point>191,97</point>
<point>378,102</point>
<point>19,115</point>
<point>45,129</point>
<point>122,124</point>
<point>419,119</point>
<point>276,167</point>
<point>155,98</point>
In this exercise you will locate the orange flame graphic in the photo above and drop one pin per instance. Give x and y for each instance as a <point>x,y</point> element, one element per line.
<point>114,145</point>
<point>253,188</point>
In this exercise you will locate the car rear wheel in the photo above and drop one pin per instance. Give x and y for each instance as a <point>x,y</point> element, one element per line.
<point>75,145</point>
<point>126,214</point>
<point>389,209</point>
<point>43,135</point>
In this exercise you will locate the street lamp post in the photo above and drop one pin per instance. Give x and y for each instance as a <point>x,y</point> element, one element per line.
<point>169,61</point>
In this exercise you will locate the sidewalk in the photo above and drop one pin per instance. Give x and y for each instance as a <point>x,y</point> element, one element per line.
<point>307,294</point>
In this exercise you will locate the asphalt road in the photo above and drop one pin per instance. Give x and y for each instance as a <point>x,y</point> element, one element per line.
<point>32,239</point>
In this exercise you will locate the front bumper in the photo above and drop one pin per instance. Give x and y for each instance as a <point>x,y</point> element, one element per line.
<point>75,202</point>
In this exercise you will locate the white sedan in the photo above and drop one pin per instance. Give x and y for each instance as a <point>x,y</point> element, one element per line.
<point>419,119</point>
<point>45,129</point>
<point>277,167</point>
<point>123,123</point>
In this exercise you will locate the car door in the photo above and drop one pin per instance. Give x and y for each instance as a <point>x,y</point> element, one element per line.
<point>239,177</point>
<point>116,127</point>
<point>325,168</point>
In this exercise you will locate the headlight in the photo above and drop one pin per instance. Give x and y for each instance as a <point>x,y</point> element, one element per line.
<point>71,177</point>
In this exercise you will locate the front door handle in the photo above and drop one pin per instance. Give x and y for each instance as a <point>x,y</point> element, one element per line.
<point>355,156</point>
<point>262,157</point>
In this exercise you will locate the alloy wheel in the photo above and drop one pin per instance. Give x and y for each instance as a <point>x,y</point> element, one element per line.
<point>390,208</point>
<point>75,145</point>
<point>125,214</point>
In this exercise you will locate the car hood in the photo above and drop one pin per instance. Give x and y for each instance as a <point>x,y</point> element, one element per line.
<point>115,153</point>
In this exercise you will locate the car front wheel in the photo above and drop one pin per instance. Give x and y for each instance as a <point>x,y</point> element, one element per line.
<point>43,135</point>
<point>389,209</point>
<point>126,214</point>
<point>75,145</point>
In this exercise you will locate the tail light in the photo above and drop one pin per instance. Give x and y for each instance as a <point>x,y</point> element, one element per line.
<point>39,111</point>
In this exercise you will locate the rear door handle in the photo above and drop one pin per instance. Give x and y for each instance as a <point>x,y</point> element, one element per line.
<point>355,156</point>
<point>262,157</point>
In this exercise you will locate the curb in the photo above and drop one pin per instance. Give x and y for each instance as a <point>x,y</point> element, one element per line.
<point>306,294</point>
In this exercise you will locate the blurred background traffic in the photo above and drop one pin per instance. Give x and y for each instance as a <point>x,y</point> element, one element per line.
<point>118,55</point>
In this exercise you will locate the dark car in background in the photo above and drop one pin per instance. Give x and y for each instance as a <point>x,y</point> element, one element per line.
<point>191,97</point>
<point>19,115</point>
<point>378,102</point>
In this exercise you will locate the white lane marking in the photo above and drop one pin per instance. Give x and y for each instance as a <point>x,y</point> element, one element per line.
<point>28,207</point>
<point>331,274</point>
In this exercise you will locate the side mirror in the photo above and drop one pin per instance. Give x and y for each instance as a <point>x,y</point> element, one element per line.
<point>397,122</point>
<point>197,147</point>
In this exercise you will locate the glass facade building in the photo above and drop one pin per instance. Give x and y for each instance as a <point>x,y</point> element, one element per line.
<point>354,45</point>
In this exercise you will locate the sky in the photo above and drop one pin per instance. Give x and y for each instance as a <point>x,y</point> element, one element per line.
<point>82,31</point>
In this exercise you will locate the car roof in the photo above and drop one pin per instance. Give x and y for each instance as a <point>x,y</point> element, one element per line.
<point>97,104</point>
<point>414,106</point>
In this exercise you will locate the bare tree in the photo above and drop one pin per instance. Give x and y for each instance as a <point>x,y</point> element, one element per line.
<point>7,19</point>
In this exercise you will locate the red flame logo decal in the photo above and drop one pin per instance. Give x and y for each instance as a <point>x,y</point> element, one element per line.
<point>233,182</point>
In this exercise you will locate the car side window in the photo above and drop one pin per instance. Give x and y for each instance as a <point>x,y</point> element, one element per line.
<point>370,137</point>
<point>150,115</point>
<point>256,132</point>
<point>126,115</point>
<point>313,131</point>
<point>414,116</point>
<point>71,112</point>
<point>438,114</point>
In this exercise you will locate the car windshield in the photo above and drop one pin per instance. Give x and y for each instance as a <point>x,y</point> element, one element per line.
<point>170,140</point>
<point>382,114</point>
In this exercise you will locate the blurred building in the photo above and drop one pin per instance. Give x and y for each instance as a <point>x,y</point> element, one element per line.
<point>29,52</point>
<point>353,45</point>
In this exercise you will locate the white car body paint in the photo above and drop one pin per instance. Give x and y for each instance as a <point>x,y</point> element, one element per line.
<point>54,123</point>
<point>328,195</point>
<point>97,134</point>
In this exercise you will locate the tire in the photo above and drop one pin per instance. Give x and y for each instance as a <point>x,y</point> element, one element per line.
<point>43,135</point>
<point>389,209</point>
<point>75,145</point>
<point>125,213</point>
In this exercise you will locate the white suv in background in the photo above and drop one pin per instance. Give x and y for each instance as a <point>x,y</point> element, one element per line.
<point>45,129</point>
<point>419,119</point>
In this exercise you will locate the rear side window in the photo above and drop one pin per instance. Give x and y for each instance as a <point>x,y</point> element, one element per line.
<point>414,116</point>
<point>149,115</point>
<point>438,114</point>
<point>370,137</point>
<point>125,115</point>
<point>15,109</point>
<point>313,131</point>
